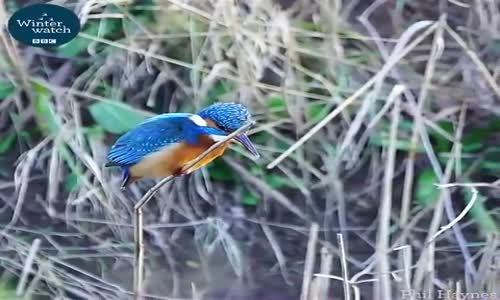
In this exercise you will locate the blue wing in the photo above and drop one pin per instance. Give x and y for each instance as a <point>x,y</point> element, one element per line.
<point>152,135</point>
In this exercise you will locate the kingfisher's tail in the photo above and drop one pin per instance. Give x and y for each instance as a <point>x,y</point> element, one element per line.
<point>127,178</point>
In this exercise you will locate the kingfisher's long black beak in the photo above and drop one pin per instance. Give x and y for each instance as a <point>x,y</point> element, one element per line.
<point>245,142</point>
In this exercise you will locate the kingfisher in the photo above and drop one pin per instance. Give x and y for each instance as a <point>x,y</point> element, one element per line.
<point>163,145</point>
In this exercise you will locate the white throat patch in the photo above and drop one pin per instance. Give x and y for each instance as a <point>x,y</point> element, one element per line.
<point>198,120</point>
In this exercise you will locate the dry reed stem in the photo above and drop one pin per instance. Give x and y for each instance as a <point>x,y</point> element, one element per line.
<point>309,263</point>
<point>407,258</point>
<point>343,263</point>
<point>486,268</point>
<point>459,217</point>
<point>323,284</point>
<point>383,286</point>
<point>426,260</point>
<point>495,184</point>
<point>350,100</point>
<point>27,267</point>
<point>422,98</point>
<point>280,257</point>
<point>475,59</point>
<point>169,60</point>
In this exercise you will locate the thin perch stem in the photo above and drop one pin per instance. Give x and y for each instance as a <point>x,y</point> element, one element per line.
<point>343,263</point>
<point>138,222</point>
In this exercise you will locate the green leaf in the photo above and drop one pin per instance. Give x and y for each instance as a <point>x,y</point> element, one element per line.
<point>480,214</point>
<point>360,56</point>
<point>282,145</point>
<point>7,141</point>
<point>249,198</point>
<point>69,158</point>
<point>382,139</point>
<point>427,193</point>
<point>490,164</point>
<point>474,140</point>
<point>101,28</point>
<point>277,181</point>
<point>256,170</point>
<point>262,138</point>
<point>92,132</point>
<point>316,112</point>
<point>46,117</point>
<point>79,44</point>
<point>7,291</point>
<point>218,90</point>
<point>277,106</point>
<point>49,123</point>
<point>441,143</point>
<point>71,182</point>
<point>276,103</point>
<point>109,25</point>
<point>116,117</point>
<point>308,25</point>
<point>26,134</point>
<point>6,89</point>
<point>403,126</point>
<point>220,171</point>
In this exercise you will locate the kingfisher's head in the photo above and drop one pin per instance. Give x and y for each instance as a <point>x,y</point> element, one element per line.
<point>229,117</point>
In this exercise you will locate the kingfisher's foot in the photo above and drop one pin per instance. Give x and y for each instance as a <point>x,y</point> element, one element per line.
<point>179,173</point>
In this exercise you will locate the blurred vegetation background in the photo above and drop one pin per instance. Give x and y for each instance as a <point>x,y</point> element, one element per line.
<point>399,98</point>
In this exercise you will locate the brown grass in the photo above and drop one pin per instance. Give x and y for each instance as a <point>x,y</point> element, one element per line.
<point>350,98</point>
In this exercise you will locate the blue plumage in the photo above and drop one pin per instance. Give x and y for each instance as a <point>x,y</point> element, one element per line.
<point>228,116</point>
<point>156,133</point>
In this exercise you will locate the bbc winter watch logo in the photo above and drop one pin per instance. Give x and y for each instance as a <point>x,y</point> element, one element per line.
<point>44,25</point>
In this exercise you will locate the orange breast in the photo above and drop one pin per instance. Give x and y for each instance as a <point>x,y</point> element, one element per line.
<point>172,159</point>
<point>195,152</point>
